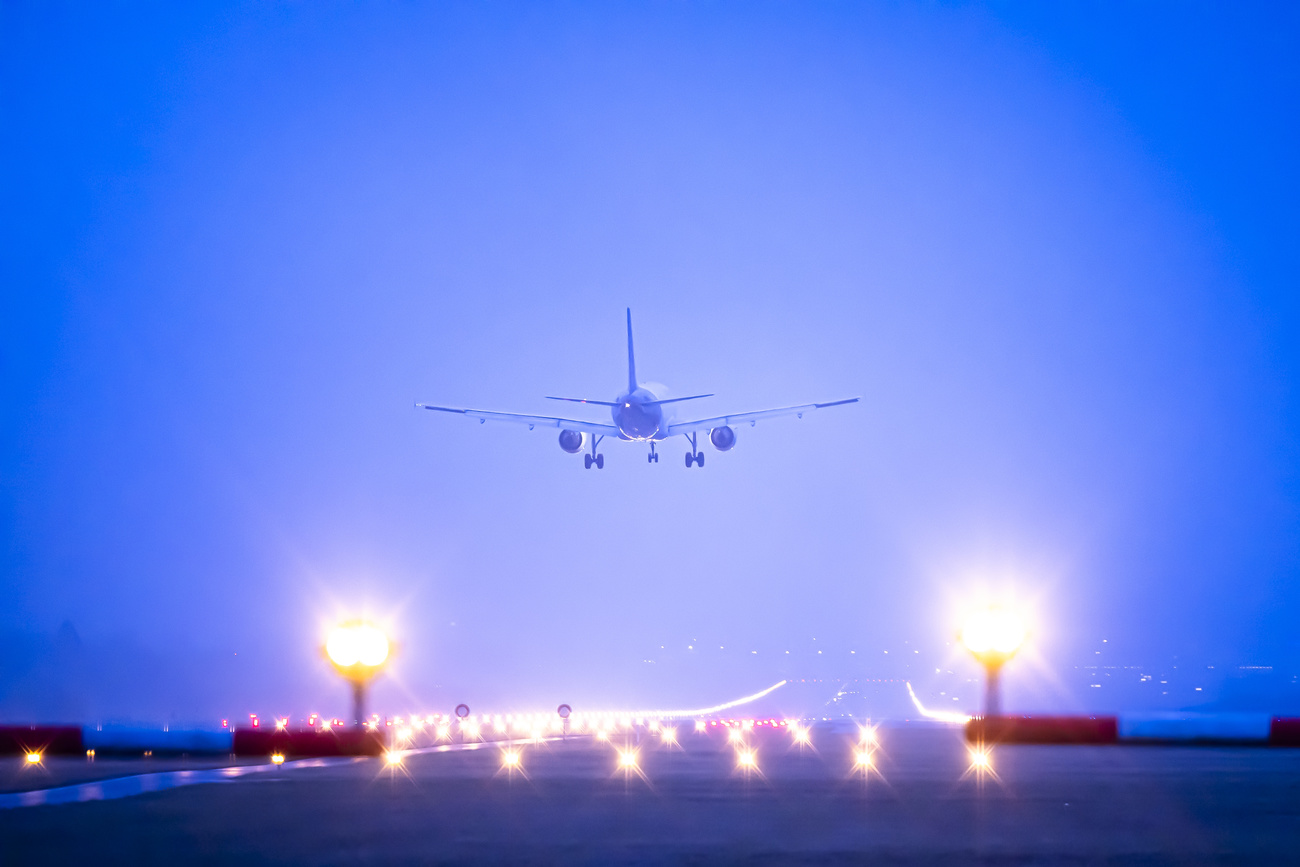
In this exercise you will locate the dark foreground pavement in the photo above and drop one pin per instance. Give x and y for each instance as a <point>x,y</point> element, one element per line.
<point>1046,805</point>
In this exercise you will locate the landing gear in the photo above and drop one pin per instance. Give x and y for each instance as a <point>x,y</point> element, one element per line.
<point>653,457</point>
<point>694,456</point>
<point>593,458</point>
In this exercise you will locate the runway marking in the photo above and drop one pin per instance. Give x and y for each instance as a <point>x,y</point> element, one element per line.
<point>140,784</point>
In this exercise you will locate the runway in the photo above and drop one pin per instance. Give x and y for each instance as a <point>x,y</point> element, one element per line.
<point>569,802</point>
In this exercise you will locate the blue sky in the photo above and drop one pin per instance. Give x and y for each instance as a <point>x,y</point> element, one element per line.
<point>1053,250</point>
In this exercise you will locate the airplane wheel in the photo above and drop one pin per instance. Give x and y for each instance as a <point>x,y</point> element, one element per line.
<point>699,459</point>
<point>689,457</point>
<point>649,459</point>
<point>600,462</point>
<point>586,459</point>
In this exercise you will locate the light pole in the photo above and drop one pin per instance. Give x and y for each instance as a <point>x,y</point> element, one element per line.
<point>993,636</point>
<point>358,651</point>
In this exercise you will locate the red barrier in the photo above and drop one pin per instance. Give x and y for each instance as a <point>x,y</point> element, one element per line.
<point>335,742</point>
<point>1284,732</point>
<point>1043,730</point>
<point>47,740</point>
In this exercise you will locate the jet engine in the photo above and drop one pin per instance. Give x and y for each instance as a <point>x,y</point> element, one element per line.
<point>723,438</point>
<point>572,441</point>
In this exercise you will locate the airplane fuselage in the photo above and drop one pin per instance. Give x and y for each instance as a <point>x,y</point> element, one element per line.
<point>637,417</point>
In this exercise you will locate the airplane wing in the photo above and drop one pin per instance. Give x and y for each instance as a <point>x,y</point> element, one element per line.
<point>685,427</point>
<point>483,415</point>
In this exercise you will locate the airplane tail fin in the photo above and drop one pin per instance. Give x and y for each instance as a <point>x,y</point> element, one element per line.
<point>631,359</point>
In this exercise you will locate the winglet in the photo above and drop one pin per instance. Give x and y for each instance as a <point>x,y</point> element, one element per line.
<point>631,359</point>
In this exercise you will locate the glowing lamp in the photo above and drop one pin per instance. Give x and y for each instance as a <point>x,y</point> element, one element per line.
<point>358,651</point>
<point>993,636</point>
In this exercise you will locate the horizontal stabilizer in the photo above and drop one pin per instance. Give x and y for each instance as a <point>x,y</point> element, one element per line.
<point>584,400</point>
<point>675,399</point>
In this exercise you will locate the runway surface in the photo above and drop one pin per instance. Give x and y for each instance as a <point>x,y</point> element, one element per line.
<point>570,803</point>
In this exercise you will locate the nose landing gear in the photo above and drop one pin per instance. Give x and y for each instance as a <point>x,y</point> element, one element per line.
<point>653,457</point>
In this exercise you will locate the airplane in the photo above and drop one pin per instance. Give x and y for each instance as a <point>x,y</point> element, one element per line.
<point>639,416</point>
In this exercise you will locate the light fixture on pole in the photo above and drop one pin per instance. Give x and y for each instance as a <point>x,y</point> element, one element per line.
<point>993,636</point>
<point>358,651</point>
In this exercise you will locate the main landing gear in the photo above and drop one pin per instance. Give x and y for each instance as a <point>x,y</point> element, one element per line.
<point>593,458</point>
<point>653,457</point>
<point>694,455</point>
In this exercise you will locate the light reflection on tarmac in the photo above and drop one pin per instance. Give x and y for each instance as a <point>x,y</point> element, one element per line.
<point>920,803</point>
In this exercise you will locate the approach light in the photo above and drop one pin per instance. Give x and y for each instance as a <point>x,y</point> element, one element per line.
<point>358,651</point>
<point>394,757</point>
<point>867,735</point>
<point>747,759</point>
<point>981,759</point>
<point>736,736</point>
<point>627,759</point>
<point>701,725</point>
<point>801,735</point>
<point>277,758</point>
<point>669,734</point>
<point>510,759</point>
<point>33,758</point>
<point>862,758</point>
<point>602,735</point>
<point>993,636</point>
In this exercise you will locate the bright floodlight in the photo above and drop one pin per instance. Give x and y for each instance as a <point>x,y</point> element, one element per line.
<point>993,634</point>
<point>357,645</point>
<point>862,758</point>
